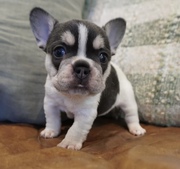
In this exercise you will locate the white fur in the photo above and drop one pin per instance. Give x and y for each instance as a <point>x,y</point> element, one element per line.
<point>83,34</point>
<point>68,38</point>
<point>49,66</point>
<point>98,42</point>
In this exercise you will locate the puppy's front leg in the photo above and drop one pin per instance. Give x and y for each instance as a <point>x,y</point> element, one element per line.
<point>53,119</point>
<point>77,134</point>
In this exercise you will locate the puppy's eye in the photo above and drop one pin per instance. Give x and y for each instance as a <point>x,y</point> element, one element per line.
<point>103,57</point>
<point>59,52</point>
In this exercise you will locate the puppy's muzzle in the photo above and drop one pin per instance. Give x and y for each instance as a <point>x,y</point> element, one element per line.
<point>81,70</point>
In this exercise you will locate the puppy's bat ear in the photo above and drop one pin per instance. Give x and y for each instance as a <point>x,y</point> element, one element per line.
<point>42,25</point>
<point>115,30</point>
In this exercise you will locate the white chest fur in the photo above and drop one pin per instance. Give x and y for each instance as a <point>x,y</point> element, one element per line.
<point>69,103</point>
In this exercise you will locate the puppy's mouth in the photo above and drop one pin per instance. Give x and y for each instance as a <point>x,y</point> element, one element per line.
<point>80,86</point>
<point>79,90</point>
<point>72,88</point>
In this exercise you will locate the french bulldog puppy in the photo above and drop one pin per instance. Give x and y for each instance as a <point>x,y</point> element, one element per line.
<point>81,79</point>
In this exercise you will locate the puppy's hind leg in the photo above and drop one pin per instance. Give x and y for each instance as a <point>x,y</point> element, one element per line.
<point>129,106</point>
<point>132,121</point>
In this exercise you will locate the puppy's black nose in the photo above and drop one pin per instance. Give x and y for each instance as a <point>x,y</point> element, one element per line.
<point>81,69</point>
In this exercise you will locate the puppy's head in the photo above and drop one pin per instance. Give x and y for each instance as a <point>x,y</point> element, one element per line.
<point>77,52</point>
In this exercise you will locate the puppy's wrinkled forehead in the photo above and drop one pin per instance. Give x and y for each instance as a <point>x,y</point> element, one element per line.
<point>83,37</point>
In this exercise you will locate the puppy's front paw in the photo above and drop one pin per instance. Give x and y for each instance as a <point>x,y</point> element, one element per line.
<point>136,129</point>
<point>49,133</point>
<point>70,144</point>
